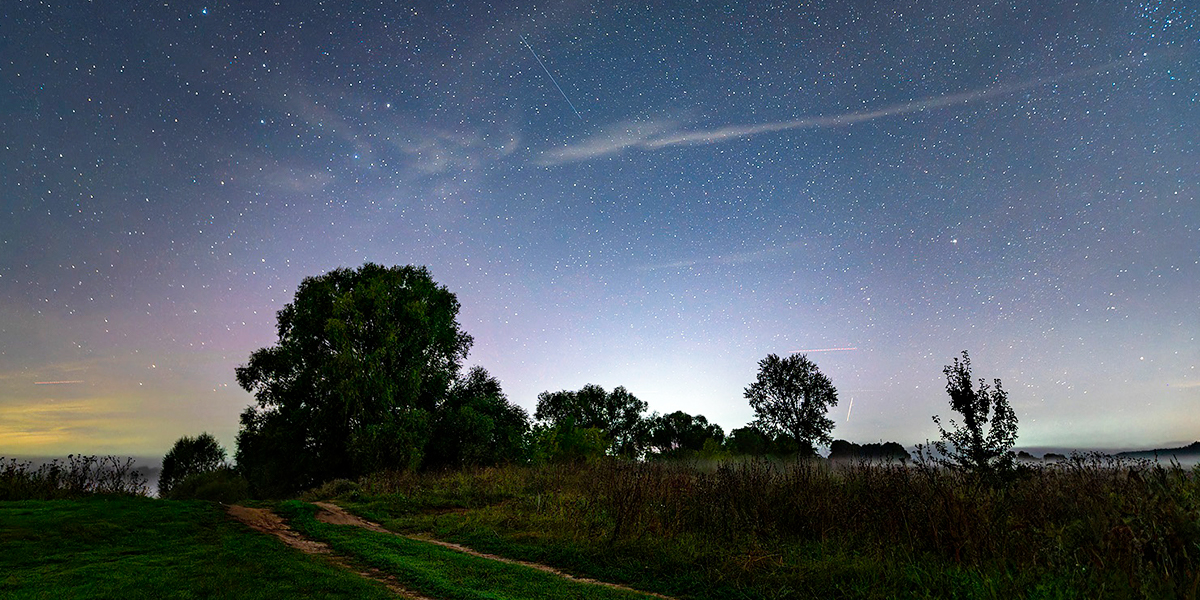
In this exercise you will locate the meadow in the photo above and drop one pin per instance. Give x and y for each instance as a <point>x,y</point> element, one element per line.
<point>1090,526</point>
<point>137,547</point>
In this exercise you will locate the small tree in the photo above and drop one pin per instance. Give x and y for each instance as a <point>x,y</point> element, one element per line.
<point>791,397</point>
<point>189,456</point>
<point>983,442</point>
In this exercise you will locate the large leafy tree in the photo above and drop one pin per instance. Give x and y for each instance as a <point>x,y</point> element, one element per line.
<point>363,359</point>
<point>791,397</point>
<point>617,414</point>
<point>983,441</point>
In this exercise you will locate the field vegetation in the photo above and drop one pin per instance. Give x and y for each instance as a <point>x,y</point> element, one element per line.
<point>1086,527</point>
<point>78,476</point>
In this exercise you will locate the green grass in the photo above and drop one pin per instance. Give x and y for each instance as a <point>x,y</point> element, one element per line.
<point>145,548</point>
<point>441,572</point>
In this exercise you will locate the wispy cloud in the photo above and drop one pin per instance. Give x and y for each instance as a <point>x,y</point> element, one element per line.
<point>613,139</point>
<point>660,135</point>
<point>736,258</point>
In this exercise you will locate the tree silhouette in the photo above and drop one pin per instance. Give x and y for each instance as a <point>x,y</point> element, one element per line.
<point>679,432</point>
<point>983,442</point>
<point>618,414</point>
<point>791,397</point>
<point>476,425</point>
<point>363,360</point>
<point>189,456</point>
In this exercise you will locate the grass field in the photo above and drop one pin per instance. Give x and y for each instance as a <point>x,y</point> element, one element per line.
<point>134,547</point>
<point>1083,529</point>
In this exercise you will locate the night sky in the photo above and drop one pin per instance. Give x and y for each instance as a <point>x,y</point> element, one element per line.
<point>655,195</point>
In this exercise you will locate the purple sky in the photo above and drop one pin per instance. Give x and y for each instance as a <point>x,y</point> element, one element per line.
<point>675,191</point>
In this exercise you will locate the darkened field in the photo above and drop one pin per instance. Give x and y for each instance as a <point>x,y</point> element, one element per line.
<point>1088,527</point>
<point>131,547</point>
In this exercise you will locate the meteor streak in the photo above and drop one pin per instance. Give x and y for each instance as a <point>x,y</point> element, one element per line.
<point>57,382</point>
<point>560,90</point>
<point>824,350</point>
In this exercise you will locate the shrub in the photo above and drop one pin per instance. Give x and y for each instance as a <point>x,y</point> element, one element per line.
<point>222,485</point>
<point>189,456</point>
<point>78,476</point>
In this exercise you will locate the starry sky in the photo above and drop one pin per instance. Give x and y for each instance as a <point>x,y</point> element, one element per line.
<point>654,195</point>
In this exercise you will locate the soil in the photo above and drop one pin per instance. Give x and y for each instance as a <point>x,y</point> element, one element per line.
<point>334,514</point>
<point>266,521</point>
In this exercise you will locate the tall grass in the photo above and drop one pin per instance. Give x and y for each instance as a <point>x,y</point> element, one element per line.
<point>76,477</point>
<point>1090,525</point>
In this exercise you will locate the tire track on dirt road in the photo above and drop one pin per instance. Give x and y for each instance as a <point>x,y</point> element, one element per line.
<point>266,521</point>
<point>336,515</point>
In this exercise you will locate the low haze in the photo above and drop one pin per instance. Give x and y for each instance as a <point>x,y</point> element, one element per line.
<point>650,196</point>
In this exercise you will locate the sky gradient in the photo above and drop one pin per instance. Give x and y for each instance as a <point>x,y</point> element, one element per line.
<point>648,196</point>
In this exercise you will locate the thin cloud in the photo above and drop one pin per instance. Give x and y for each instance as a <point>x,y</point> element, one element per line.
<point>614,139</point>
<point>722,260</point>
<point>657,136</point>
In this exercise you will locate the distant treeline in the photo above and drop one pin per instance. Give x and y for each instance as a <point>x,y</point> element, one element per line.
<point>841,450</point>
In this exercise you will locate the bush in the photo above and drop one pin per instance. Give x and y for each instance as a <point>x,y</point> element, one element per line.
<point>188,457</point>
<point>336,488</point>
<point>567,444</point>
<point>222,485</point>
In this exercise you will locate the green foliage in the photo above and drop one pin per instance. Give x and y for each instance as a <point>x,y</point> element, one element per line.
<point>189,456</point>
<point>983,442</point>
<point>618,414</point>
<point>78,477</point>
<point>748,440</point>
<point>363,360</point>
<point>566,443</point>
<point>142,548</point>
<point>476,425</point>
<point>398,441</point>
<point>224,485</point>
<point>791,397</point>
<point>681,434</point>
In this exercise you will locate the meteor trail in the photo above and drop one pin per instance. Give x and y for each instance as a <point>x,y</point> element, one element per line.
<point>57,382</point>
<point>824,350</point>
<point>560,90</point>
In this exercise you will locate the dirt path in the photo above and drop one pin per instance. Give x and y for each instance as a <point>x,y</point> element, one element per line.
<point>336,515</point>
<point>266,521</point>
